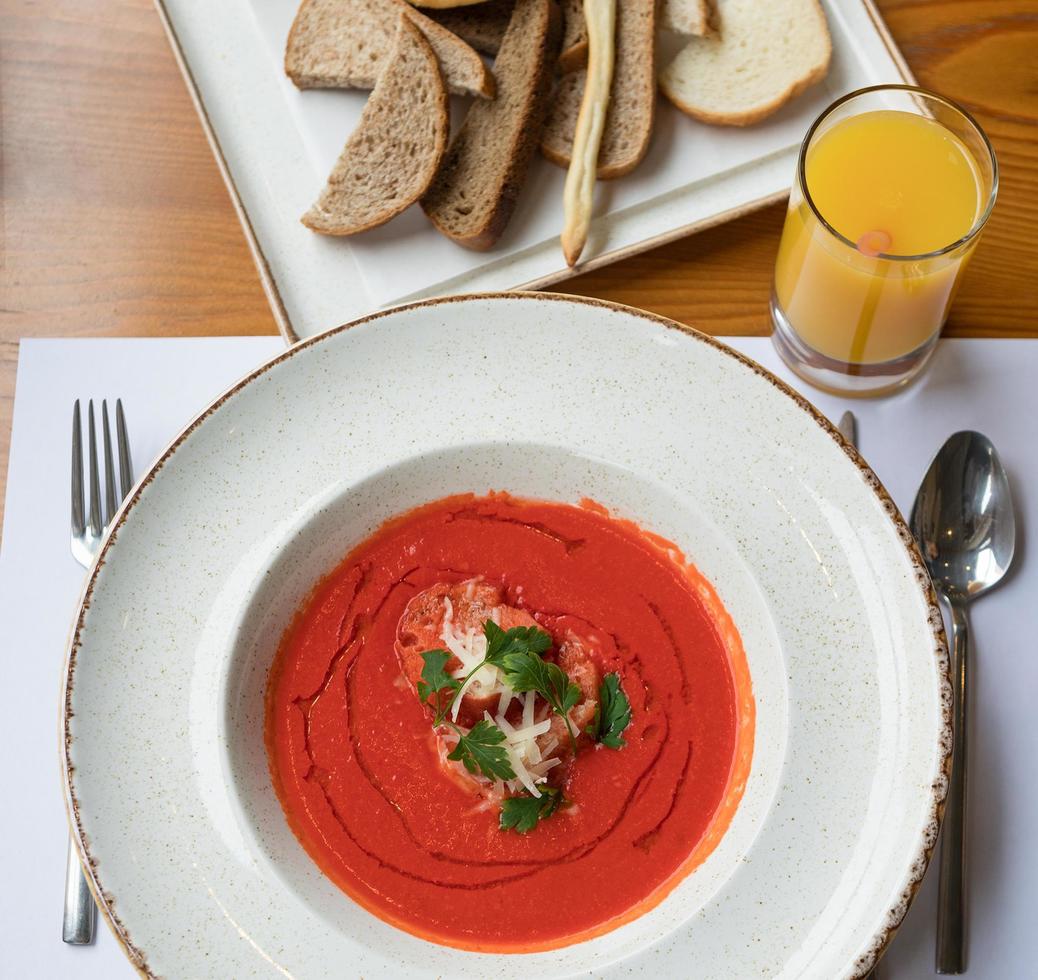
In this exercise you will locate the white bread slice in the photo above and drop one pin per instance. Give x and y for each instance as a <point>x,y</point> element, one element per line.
<point>691,17</point>
<point>345,43</point>
<point>574,36</point>
<point>481,26</point>
<point>766,54</point>
<point>632,97</point>
<point>474,193</point>
<point>392,156</point>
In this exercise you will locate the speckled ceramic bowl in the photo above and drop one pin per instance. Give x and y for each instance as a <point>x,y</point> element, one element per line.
<point>545,396</point>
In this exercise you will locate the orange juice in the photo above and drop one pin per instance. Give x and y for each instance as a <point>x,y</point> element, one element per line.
<point>896,187</point>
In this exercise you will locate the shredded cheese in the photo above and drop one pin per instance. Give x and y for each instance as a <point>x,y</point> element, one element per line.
<point>470,647</point>
<point>530,761</point>
<point>528,706</point>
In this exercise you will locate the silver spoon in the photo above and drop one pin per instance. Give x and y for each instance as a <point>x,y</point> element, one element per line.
<point>963,521</point>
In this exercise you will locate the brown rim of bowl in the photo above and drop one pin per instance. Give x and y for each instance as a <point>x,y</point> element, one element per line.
<point>978,223</point>
<point>894,915</point>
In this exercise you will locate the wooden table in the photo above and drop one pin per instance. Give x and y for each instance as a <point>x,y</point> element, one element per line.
<point>115,221</point>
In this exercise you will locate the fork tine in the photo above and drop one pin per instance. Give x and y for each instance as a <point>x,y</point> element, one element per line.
<point>125,462</point>
<point>106,437</point>
<point>95,483</point>
<point>78,525</point>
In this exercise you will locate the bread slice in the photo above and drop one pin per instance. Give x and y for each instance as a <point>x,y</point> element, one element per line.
<point>632,97</point>
<point>765,55</point>
<point>474,193</point>
<point>481,26</point>
<point>445,4</point>
<point>691,17</point>
<point>574,36</point>
<point>345,43</point>
<point>392,156</point>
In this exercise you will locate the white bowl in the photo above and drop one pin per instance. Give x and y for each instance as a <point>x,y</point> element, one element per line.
<point>544,396</point>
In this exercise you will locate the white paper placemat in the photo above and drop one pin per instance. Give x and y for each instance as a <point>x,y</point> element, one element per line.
<point>986,385</point>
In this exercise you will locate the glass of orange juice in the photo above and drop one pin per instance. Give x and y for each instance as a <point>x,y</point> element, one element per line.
<point>893,187</point>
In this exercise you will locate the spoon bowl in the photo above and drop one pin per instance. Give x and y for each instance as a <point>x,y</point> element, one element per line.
<point>963,517</point>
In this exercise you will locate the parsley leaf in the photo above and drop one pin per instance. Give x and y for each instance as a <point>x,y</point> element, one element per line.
<point>518,640</point>
<point>612,715</point>
<point>482,749</point>
<point>528,672</point>
<point>523,813</point>
<point>434,676</point>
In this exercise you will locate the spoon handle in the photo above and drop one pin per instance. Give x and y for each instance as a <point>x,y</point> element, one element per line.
<point>951,897</point>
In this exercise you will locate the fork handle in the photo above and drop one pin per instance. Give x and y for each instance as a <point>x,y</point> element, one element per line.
<point>951,889</point>
<point>77,928</point>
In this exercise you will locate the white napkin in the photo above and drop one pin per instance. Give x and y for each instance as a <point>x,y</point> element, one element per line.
<point>989,385</point>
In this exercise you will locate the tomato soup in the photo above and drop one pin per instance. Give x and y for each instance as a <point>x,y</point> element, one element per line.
<point>368,793</point>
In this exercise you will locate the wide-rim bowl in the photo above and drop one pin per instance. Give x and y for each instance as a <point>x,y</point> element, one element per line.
<point>80,745</point>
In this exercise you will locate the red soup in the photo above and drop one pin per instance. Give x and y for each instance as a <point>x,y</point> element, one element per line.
<point>510,725</point>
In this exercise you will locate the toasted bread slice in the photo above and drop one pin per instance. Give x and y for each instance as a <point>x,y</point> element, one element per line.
<point>691,17</point>
<point>632,97</point>
<point>574,36</point>
<point>345,44</point>
<point>392,156</point>
<point>474,193</point>
<point>481,26</point>
<point>765,56</point>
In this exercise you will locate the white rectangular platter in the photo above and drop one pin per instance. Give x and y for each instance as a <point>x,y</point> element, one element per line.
<point>276,145</point>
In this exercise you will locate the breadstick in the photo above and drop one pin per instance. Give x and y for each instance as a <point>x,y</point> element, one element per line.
<point>580,178</point>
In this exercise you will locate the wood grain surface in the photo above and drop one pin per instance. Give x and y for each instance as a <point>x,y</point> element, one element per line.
<point>114,220</point>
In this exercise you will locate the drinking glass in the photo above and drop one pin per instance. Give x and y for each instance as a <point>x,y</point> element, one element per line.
<point>850,317</point>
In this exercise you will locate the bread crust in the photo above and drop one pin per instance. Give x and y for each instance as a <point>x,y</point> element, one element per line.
<point>409,32</point>
<point>297,71</point>
<point>481,26</point>
<point>574,36</point>
<point>642,59</point>
<point>537,71</point>
<point>705,26</point>
<point>750,116</point>
<point>444,4</point>
<point>760,112</point>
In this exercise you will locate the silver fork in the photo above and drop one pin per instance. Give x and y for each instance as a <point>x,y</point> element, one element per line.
<point>87,531</point>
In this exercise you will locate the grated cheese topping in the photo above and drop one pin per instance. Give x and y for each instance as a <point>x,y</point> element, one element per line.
<point>530,762</point>
<point>523,753</point>
<point>470,647</point>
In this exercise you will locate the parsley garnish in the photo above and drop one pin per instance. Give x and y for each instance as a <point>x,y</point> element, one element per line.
<point>523,813</point>
<point>528,672</point>
<point>434,677</point>
<point>482,749</point>
<point>518,640</point>
<point>612,715</point>
<point>517,654</point>
<point>502,647</point>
